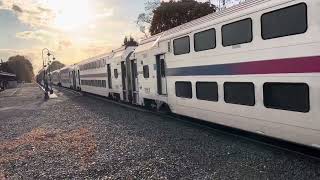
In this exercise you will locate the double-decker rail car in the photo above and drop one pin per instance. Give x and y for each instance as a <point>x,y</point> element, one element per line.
<point>150,59</point>
<point>74,72</point>
<point>93,75</point>
<point>254,66</point>
<point>65,77</point>
<point>118,72</point>
<point>55,77</point>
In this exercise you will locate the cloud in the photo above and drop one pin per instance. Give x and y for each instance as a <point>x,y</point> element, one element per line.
<point>93,35</point>
<point>63,44</point>
<point>42,9</point>
<point>16,8</point>
<point>41,35</point>
<point>30,12</point>
<point>37,17</point>
<point>106,13</point>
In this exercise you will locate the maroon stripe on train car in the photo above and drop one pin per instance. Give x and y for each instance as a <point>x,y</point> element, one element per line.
<point>280,66</point>
<point>276,66</point>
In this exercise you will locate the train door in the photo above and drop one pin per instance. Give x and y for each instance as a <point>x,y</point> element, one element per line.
<point>135,82</point>
<point>124,80</point>
<point>109,76</point>
<point>79,83</point>
<point>161,75</point>
<point>74,80</point>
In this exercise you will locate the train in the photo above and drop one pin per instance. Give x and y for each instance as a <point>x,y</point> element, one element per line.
<point>254,66</point>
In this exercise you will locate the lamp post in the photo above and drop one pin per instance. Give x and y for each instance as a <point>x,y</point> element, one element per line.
<point>45,79</point>
<point>50,77</point>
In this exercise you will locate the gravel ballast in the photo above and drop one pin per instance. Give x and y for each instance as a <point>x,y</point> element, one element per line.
<point>80,137</point>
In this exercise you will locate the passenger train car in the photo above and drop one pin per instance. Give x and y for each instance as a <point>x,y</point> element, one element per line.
<point>55,78</point>
<point>65,77</point>
<point>254,66</point>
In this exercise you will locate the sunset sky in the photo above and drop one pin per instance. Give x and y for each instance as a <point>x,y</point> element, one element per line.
<point>72,29</point>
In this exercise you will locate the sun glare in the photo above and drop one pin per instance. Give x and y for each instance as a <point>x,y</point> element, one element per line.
<point>71,14</point>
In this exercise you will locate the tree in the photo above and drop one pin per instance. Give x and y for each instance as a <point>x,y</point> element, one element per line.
<point>174,13</point>
<point>22,67</point>
<point>144,19</point>
<point>56,65</point>
<point>125,41</point>
<point>5,67</point>
<point>161,16</point>
<point>129,42</point>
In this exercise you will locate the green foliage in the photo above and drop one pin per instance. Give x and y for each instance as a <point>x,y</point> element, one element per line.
<point>20,66</point>
<point>56,65</point>
<point>129,42</point>
<point>144,19</point>
<point>5,67</point>
<point>174,13</point>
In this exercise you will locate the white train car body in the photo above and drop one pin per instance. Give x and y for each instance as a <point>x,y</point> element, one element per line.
<point>55,77</point>
<point>75,77</point>
<point>118,67</point>
<point>150,56</point>
<point>254,66</point>
<point>65,77</point>
<point>105,75</point>
<point>93,75</point>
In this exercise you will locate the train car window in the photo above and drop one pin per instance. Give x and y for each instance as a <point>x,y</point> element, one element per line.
<point>116,73</point>
<point>285,22</point>
<point>146,71</point>
<point>235,33</point>
<point>181,45</point>
<point>205,40</point>
<point>287,96</point>
<point>241,93</point>
<point>183,89</point>
<point>207,91</point>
